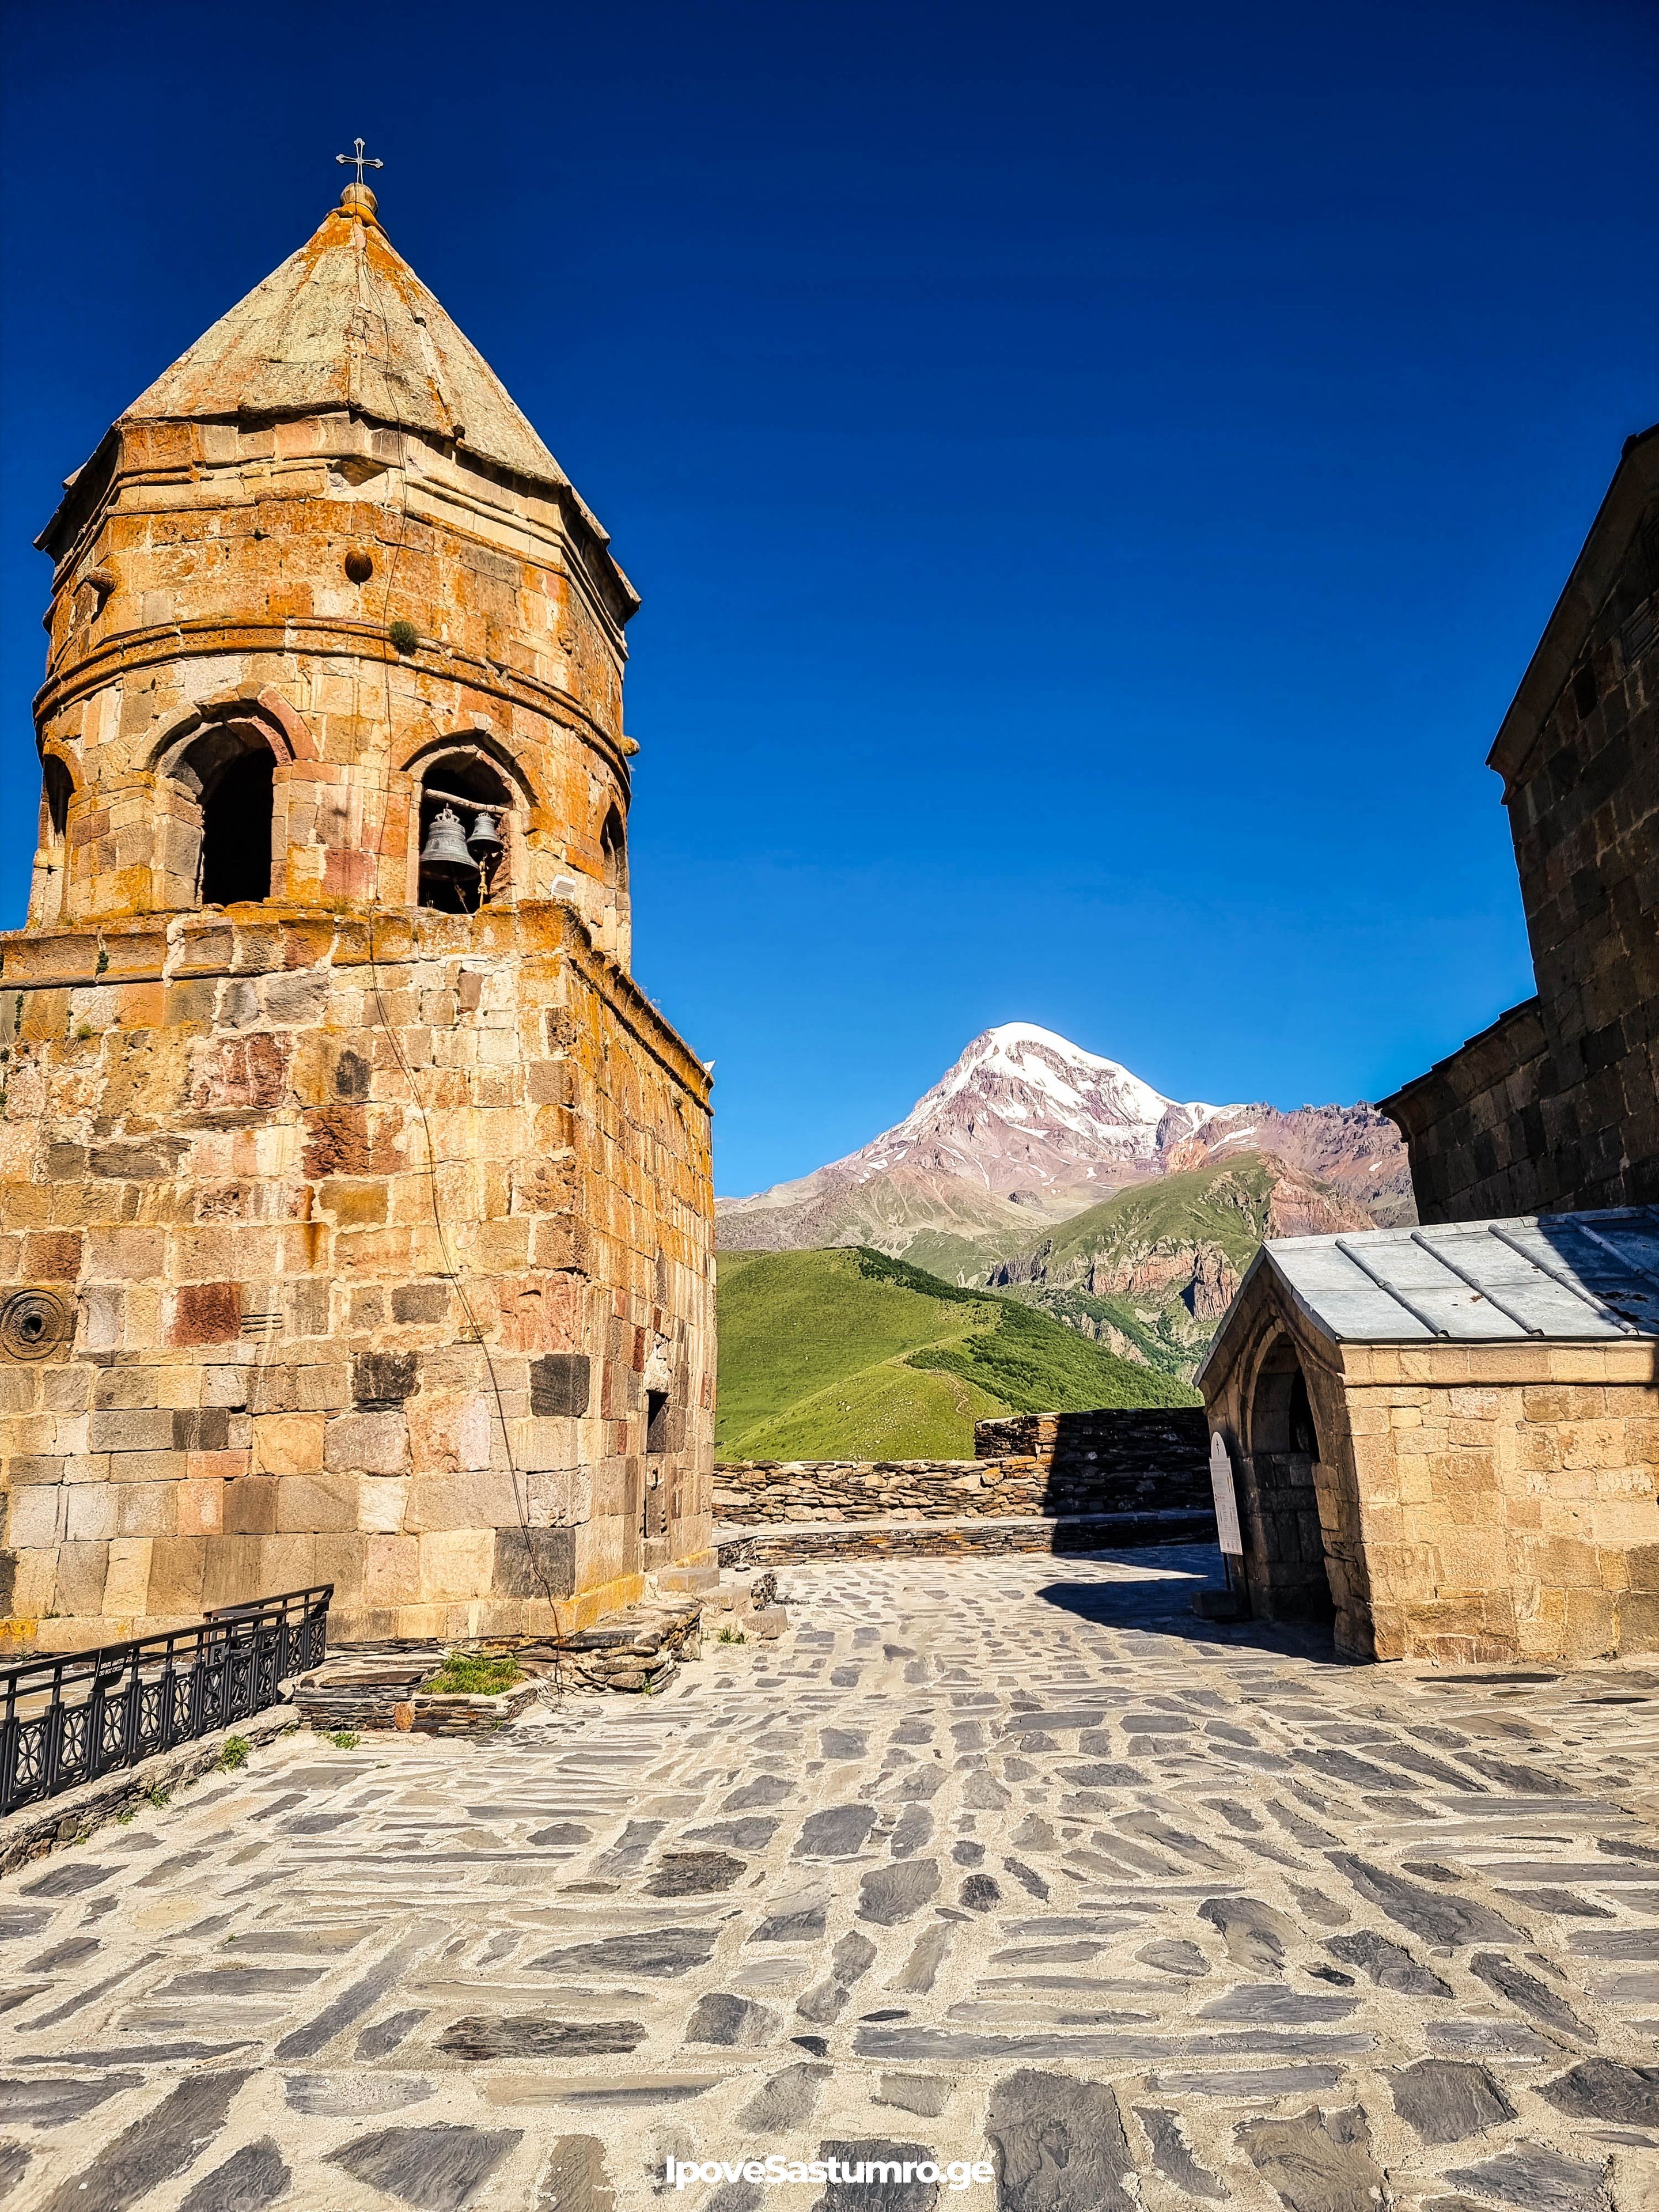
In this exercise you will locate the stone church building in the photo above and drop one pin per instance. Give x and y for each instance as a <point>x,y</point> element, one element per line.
<point>354,1203</point>
<point>1556,1106</point>
<point>1445,1440</point>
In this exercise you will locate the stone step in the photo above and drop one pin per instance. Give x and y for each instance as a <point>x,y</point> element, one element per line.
<point>688,1580</point>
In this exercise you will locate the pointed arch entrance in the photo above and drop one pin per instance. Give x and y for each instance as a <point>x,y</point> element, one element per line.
<point>1285,1558</point>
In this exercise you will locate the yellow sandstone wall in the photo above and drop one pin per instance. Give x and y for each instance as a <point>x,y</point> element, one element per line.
<point>204,583</point>
<point>214,1163</point>
<point>1476,1502</point>
<point>1509,1498</point>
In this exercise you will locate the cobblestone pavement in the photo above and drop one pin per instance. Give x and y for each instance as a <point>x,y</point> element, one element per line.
<point>1013,1859</point>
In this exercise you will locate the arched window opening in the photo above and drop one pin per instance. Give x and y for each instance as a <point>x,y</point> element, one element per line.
<point>214,829</point>
<point>465,826</point>
<point>613,844</point>
<point>1281,1411</point>
<point>56,788</point>
<point>52,858</point>
<point>236,816</point>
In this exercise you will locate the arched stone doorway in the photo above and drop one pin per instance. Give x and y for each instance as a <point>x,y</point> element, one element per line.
<point>1284,1559</point>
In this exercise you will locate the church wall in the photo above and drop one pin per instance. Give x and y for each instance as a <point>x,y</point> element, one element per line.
<point>1475,1126</point>
<point>1584,813</point>
<point>1556,1107</point>
<point>214,1157</point>
<point>1478,1502</point>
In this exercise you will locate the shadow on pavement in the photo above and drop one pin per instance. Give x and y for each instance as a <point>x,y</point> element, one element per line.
<point>1160,1604</point>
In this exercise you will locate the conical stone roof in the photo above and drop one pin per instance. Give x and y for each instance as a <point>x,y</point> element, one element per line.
<point>346,323</point>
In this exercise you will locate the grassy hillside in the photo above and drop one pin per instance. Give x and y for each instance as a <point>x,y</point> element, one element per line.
<point>1123,1271</point>
<point>845,1354</point>
<point>1225,1205</point>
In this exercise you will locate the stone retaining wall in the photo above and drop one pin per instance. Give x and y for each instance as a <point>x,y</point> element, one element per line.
<point>1108,1440</point>
<point>983,1536</point>
<point>1171,1471</point>
<point>36,1830</point>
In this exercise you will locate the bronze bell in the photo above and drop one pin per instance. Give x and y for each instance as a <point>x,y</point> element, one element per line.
<point>485,842</point>
<point>445,852</point>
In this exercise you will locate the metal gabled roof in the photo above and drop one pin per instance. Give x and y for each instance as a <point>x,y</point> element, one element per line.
<point>1559,1278</point>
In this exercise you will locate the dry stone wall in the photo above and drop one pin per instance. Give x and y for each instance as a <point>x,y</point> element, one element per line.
<point>1107,1440</point>
<point>1107,1462</point>
<point>982,1537</point>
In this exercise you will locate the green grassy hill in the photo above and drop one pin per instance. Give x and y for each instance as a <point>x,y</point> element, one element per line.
<point>1225,1205</point>
<point>846,1354</point>
<point>1150,1267</point>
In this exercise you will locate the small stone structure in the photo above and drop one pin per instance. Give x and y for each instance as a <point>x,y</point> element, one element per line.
<point>354,1203</point>
<point>1447,1440</point>
<point>1557,1104</point>
<point>642,1648</point>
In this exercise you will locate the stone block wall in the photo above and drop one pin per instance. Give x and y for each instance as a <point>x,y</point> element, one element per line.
<point>1471,1503</point>
<point>1556,1107</point>
<point>1107,1440</point>
<point>759,1491</point>
<point>1509,1497</point>
<point>277,1180</point>
<point>1474,1124</point>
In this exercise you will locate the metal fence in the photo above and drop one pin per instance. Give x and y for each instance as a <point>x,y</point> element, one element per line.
<point>72,1715</point>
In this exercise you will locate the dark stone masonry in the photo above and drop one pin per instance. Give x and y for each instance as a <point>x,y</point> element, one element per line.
<point>1110,1440</point>
<point>1123,1461</point>
<point>1555,1108</point>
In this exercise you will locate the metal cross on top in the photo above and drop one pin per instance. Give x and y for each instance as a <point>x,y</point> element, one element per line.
<point>358,158</point>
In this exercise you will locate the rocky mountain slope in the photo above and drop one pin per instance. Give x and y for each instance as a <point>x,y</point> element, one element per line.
<point>1150,1271</point>
<point>1062,1179</point>
<point>1027,1130</point>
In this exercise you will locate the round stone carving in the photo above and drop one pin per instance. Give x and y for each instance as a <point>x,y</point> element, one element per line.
<point>33,1324</point>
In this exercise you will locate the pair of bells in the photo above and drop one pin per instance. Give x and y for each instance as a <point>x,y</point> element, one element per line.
<point>448,852</point>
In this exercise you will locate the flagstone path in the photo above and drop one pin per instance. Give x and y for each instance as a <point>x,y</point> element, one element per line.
<point>1011,1859</point>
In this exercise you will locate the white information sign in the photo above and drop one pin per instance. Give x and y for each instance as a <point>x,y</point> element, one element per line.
<point>1226,1503</point>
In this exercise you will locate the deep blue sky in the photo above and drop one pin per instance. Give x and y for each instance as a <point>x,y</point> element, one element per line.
<point>1096,474</point>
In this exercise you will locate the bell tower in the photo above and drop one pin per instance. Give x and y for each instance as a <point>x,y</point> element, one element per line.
<point>319,583</point>
<point>360,1188</point>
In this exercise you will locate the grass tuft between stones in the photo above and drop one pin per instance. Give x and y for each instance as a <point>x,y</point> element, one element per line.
<point>470,1675</point>
<point>234,1753</point>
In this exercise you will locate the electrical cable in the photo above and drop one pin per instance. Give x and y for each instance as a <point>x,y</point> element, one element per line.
<point>452,1272</point>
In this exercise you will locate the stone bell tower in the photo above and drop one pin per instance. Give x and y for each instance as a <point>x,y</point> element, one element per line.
<point>355,1205</point>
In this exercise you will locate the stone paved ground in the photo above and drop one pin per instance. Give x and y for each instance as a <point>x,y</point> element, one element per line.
<point>1013,1858</point>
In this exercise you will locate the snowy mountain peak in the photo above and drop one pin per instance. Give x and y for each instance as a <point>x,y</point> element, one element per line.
<point>1027,1120</point>
<point>1024,1106</point>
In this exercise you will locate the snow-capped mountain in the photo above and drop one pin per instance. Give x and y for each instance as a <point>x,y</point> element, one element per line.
<point>1024,1109</point>
<point>1026,1129</point>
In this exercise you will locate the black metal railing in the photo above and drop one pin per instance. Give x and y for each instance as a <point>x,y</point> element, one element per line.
<point>69,1716</point>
